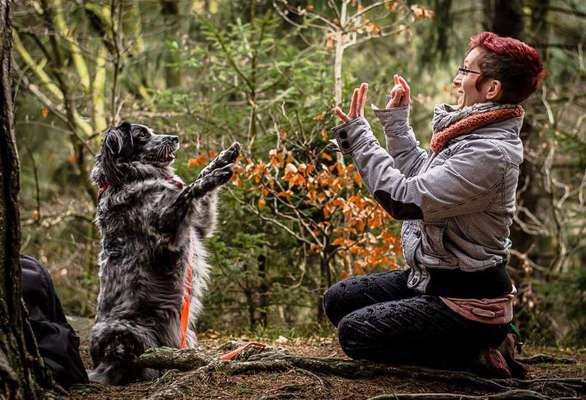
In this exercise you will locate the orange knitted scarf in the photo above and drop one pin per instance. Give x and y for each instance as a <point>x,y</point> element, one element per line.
<point>472,122</point>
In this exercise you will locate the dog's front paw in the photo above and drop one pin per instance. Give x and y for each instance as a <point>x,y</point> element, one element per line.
<point>226,157</point>
<point>231,153</point>
<point>212,180</point>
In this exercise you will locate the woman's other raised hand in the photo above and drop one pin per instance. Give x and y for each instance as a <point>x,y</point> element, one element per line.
<point>400,94</point>
<point>356,104</point>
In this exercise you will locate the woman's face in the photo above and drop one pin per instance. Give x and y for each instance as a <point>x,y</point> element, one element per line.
<point>465,81</point>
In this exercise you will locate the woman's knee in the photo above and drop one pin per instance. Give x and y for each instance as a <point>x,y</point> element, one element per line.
<point>352,340</point>
<point>333,301</point>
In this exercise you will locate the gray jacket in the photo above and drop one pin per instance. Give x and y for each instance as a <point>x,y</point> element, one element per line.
<point>458,203</point>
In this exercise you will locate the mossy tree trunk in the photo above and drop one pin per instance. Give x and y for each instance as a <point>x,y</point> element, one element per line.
<point>22,375</point>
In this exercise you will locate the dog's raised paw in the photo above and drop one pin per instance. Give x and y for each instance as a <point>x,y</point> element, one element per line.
<point>226,157</point>
<point>212,180</point>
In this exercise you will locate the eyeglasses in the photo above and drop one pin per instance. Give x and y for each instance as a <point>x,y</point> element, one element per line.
<point>464,71</point>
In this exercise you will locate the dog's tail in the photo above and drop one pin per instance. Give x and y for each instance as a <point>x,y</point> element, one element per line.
<point>115,349</point>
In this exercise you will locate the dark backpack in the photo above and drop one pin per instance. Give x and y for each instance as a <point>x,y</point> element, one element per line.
<point>58,342</point>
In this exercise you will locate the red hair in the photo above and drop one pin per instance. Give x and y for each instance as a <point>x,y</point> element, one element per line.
<point>515,64</point>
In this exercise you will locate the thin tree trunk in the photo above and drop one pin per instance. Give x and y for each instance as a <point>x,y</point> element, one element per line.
<point>248,289</point>
<point>324,268</point>
<point>339,56</point>
<point>263,291</point>
<point>175,15</point>
<point>21,373</point>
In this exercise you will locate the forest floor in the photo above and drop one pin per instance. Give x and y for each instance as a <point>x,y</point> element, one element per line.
<point>546,380</point>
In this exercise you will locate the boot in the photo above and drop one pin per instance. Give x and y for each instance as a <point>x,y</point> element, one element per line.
<point>508,349</point>
<point>491,363</point>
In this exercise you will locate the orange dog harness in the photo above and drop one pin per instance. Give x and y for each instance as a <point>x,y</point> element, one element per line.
<point>184,317</point>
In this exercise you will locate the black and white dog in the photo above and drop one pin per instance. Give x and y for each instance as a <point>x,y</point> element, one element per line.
<point>153,267</point>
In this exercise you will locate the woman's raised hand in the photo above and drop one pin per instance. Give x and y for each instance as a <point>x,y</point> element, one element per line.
<point>356,104</point>
<point>400,94</point>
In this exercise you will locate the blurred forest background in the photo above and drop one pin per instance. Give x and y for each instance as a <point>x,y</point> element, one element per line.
<point>267,74</point>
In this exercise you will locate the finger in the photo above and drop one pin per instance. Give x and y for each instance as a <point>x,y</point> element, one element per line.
<point>341,114</point>
<point>362,98</point>
<point>391,97</point>
<point>396,89</point>
<point>405,86</point>
<point>399,96</point>
<point>395,79</point>
<point>396,100</point>
<point>353,104</point>
<point>396,96</point>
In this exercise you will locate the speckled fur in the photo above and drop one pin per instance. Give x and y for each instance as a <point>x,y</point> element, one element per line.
<point>152,227</point>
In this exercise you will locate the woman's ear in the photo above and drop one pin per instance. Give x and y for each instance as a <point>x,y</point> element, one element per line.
<point>494,90</point>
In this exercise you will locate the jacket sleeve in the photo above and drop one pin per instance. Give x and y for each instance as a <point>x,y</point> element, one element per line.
<point>400,139</point>
<point>462,185</point>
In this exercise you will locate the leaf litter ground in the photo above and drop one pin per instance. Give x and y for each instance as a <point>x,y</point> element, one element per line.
<point>298,383</point>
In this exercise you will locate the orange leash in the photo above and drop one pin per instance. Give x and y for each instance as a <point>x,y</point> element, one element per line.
<point>187,288</point>
<point>231,355</point>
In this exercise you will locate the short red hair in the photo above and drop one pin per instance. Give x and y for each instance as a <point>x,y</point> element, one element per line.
<point>515,64</point>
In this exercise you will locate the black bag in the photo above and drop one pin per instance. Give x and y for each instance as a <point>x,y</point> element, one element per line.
<point>58,342</point>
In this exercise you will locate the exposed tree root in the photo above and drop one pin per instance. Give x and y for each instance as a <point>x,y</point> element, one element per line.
<point>279,361</point>
<point>546,359</point>
<point>168,358</point>
<point>511,394</point>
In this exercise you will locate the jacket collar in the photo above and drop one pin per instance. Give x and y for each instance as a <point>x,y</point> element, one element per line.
<point>472,122</point>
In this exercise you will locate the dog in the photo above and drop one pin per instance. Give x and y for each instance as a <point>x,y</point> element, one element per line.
<point>153,267</point>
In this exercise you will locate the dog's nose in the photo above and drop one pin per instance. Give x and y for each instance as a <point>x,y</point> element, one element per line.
<point>173,139</point>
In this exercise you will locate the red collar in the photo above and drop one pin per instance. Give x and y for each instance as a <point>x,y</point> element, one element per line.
<point>102,188</point>
<point>468,124</point>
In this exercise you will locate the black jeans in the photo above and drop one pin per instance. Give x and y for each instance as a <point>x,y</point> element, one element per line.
<point>380,319</point>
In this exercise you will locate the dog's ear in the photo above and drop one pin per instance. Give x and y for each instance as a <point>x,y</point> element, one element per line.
<point>107,171</point>
<point>124,127</point>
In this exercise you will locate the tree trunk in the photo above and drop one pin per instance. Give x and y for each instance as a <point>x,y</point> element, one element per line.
<point>324,267</point>
<point>504,17</point>
<point>175,15</point>
<point>263,290</point>
<point>248,288</point>
<point>21,373</point>
<point>339,57</point>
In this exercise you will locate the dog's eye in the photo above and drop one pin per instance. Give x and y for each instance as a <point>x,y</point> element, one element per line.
<point>144,134</point>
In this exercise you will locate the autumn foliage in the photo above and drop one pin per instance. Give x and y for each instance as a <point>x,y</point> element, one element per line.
<point>322,204</point>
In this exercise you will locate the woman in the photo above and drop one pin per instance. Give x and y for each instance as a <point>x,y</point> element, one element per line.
<point>453,306</point>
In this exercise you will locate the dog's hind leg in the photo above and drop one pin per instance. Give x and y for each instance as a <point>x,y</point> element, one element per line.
<point>114,349</point>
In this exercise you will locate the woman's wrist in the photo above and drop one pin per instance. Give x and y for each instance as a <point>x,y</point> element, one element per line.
<point>394,119</point>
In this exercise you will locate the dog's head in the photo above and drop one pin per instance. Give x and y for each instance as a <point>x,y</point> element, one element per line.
<point>133,151</point>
